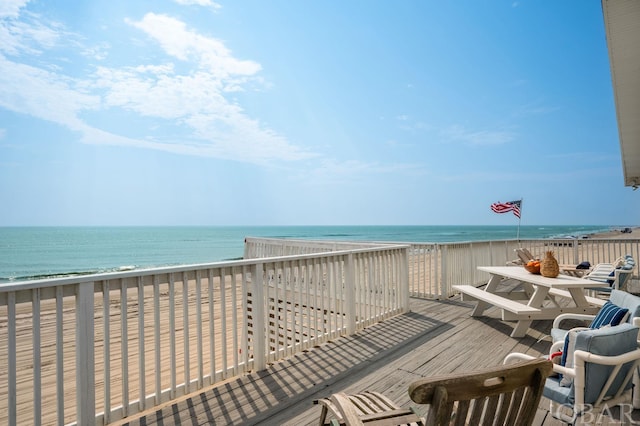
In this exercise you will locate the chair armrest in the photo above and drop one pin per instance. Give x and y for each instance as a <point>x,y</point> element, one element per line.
<point>557,368</point>
<point>565,371</point>
<point>517,356</point>
<point>557,346</point>
<point>562,317</point>
<point>582,357</point>
<point>636,322</point>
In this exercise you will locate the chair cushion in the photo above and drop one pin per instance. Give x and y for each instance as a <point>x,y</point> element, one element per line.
<point>557,393</point>
<point>558,334</point>
<point>607,341</point>
<point>626,300</point>
<point>609,314</point>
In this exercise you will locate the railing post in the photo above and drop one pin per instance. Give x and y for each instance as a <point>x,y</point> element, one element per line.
<point>404,280</point>
<point>247,252</point>
<point>259,319</point>
<point>12,361</point>
<point>350,294</point>
<point>444,274</point>
<point>85,356</point>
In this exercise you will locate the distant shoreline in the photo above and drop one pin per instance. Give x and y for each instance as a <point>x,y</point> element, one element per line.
<point>618,234</point>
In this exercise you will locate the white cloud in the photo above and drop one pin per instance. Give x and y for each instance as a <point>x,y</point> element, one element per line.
<point>29,35</point>
<point>43,94</point>
<point>98,52</point>
<point>11,8</point>
<point>210,54</point>
<point>192,105</point>
<point>205,3</point>
<point>478,137</point>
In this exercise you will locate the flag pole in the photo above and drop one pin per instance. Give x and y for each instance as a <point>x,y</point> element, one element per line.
<point>519,220</point>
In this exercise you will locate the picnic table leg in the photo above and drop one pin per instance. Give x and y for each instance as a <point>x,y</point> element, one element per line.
<point>537,299</point>
<point>578,297</point>
<point>491,287</point>
<point>528,289</point>
<point>520,330</point>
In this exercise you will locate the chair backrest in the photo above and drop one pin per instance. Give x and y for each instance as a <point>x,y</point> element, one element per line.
<point>510,394</point>
<point>606,341</point>
<point>601,272</point>
<point>626,300</point>
<point>524,254</point>
<point>615,274</point>
<point>626,267</point>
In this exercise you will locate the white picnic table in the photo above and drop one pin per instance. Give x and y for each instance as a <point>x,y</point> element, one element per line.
<point>537,300</point>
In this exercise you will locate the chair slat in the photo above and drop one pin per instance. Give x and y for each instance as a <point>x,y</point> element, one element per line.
<point>477,408</point>
<point>460,415</point>
<point>490,408</point>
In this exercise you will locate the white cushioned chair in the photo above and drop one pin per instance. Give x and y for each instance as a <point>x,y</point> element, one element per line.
<point>604,361</point>
<point>618,298</point>
<point>611,276</point>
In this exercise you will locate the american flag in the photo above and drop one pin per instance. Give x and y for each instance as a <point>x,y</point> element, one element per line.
<point>509,206</point>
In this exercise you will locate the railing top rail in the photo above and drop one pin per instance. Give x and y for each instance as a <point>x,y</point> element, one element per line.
<point>364,247</point>
<point>62,281</point>
<point>327,242</point>
<point>515,240</point>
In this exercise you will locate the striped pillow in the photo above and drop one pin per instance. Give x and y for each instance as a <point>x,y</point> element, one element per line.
<point>609,314</point>
<point>567,354</point>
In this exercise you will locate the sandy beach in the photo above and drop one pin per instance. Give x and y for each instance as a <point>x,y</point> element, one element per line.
<point>618,235</point>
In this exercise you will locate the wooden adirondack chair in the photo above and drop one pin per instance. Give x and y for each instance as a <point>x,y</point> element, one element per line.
<point>502,395</point>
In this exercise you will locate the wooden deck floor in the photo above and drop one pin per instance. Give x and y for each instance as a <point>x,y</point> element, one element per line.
<point>435,337</point>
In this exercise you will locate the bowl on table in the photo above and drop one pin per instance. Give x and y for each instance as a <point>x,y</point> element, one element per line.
<point>532,266</point>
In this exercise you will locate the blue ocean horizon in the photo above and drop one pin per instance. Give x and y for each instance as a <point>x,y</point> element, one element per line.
<point>28,253</point>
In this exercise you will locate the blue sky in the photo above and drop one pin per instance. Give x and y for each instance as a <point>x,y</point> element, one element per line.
<point>195,112</point>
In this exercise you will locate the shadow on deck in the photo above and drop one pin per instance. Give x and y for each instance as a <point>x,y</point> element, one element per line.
<point>435,337</point>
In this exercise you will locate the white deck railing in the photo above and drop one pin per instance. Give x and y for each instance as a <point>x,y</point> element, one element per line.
<point>96,349</point>
<point>435,267</point>
<point>99,348</point>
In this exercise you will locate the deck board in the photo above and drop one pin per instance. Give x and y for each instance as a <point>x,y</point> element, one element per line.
<point>436,337</point>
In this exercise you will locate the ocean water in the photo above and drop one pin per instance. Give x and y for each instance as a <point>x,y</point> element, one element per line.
<point>42,252</point>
